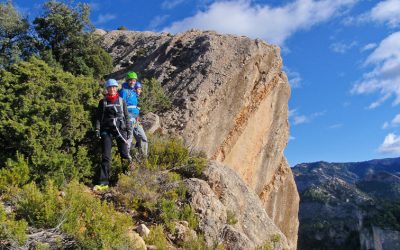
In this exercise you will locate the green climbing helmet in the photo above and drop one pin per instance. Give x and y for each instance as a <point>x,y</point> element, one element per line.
<point>131,75</point>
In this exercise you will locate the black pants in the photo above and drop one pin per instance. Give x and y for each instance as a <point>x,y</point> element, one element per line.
<point>106,138</point>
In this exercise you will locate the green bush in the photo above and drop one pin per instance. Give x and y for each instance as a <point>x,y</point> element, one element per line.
<point>168,213</point>
<point>47,118</point>
<point>153,98</point>
<point>41,208</point>
<point>157,238</point>
<point>138,189</point>
<point>231,218</point>
<point>166,153</point>
<point>15,174</point>
<point>93,223</point>
<point>190,216</point>
<point>197,243</point>
<point>12,231</point>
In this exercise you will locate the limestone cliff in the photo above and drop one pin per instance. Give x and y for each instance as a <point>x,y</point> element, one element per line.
<point>230,100</point>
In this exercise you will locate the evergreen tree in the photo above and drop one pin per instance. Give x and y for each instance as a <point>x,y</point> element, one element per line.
<point>15,41</point>
<point>66,37</point>
<point>47,117</point>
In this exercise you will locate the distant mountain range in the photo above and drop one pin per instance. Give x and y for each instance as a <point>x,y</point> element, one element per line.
<point>349,205</point>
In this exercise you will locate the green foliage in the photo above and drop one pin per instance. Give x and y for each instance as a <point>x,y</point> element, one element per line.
<point>94,224</point>
<point>231,218</point>
<point>157,238</point>
<point>138,189</point>
<point>275,238</point>
<point>15,42</point>
<point>190,216</point>
<point>12,231</point>
<point>385,214</point>
<point>166,153</point>
<point>168,213</point>
<point>153,97</point>
<point>194,168</point>
<point>41,208</point>
<point>196,243</point>
<point>64,32</point>
<point>265,246</point>
<point>47,118</point>
<point>315,194</point>
<point>15,174</point>
<point>122,28</point>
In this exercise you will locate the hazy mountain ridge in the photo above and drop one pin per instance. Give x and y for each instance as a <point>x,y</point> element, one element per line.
<point>349,205</point>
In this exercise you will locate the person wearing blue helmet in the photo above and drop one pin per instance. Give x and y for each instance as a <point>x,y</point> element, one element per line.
<point>130,92</point>
<point>112,121</point>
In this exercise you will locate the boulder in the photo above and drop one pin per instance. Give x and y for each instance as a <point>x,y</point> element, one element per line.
<point>230,212</point>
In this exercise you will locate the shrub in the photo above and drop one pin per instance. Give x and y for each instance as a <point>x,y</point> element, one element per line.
<point>47,118</point>
<point>12,231</point>
<point>153,98</point>
<point>157,238</point>
<point>190,216</point>
<point>41,209</point>
<point>231,218</point>
<point>14,174</point>
<point>166,153</point>
<point>196,243</point>
<point>94,224</point>
<point>138,189</point>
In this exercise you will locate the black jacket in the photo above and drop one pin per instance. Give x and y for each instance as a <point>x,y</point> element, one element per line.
<point>107,112</point>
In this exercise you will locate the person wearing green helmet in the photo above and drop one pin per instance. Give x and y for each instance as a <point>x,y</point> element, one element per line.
<point>130,92</point>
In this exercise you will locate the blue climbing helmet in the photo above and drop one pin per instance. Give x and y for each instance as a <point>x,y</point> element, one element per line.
<point>111,82</point>
<point>138,85</point>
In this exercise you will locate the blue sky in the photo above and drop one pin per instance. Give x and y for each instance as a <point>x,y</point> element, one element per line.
<point>342,58</point>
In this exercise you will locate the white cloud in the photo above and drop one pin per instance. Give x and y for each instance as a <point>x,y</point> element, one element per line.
<point>369,46</point>
<point>294,78</point>
<point>300,119</point>
<point>104,18</point>
<point>385,125</point>
<point>292,112</point>
<point>394,123</point>
<point>157,21</point>
<point>341,47</point>
<point>386,12</point>
<point>335,126</point>
<point>273,24</point>
<point>391,144</point>
<point>385,75</point>
<point>170,4</point>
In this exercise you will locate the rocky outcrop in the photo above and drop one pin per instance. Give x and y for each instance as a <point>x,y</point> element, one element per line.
<point>230,212</point>
<point>229,99</point>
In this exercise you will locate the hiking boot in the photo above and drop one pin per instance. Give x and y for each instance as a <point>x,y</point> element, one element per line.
<point>101,187</point>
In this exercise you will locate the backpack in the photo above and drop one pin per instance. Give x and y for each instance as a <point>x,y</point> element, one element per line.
<point>121,103</point>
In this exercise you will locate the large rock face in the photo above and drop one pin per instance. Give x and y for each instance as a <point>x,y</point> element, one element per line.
<point>230,212</point>
<point>230,100</point>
